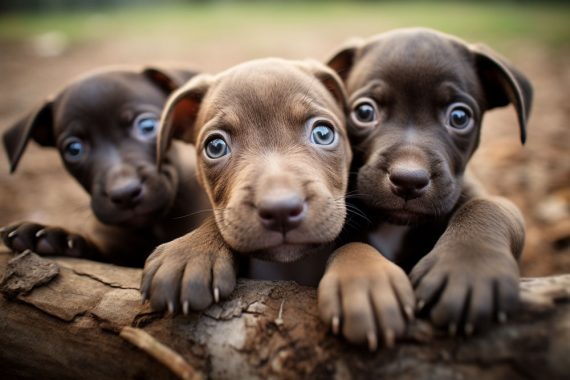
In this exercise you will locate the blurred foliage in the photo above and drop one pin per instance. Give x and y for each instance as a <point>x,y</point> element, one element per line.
<point>544,22</point>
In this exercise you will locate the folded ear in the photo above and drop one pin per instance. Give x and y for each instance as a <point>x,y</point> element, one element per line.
<point>180,113</point>
<point>37,125</point>
<point>343,60</point>
<point>330,80</point>
<point>169,79</point>
<point>503,84</point>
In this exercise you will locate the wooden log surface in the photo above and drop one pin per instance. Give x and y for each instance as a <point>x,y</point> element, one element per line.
<point>74,319</point>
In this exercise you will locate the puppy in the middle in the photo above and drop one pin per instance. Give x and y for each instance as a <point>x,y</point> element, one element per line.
<point>273,157</point>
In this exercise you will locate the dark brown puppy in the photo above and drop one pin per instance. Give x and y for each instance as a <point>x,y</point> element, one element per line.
<point>273,156</point>
<point>104,125</point>
<point>417,100</point>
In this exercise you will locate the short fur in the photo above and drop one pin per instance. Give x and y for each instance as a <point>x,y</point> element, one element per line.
<point>426,213</point>
<point>266,111</point>
<point>134,202</point>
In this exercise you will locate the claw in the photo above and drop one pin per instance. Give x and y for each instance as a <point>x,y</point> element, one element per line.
<point>40,233</point>
<point>502,317</point>
<point>469,329</point>
<point>70,243</point>
<point>185,307</point>
<point>389,338</point>
<point>171,307</point>
<point>144,298</point>
<point>335,325</point>
<point>409,311</point>
<point>216,295</point>
<point>372,341</point>
<point>12,234</point>
<point>420,305</point>
<point>452,329</point>
<point>3,229</point>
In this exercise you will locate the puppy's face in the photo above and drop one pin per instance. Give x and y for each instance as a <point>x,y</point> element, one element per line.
<point>104,127</point>
<point>273,154</point>
<point>417,100</point>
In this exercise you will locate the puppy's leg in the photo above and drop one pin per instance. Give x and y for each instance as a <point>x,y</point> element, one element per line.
<point>190,272</point>
<point>48,241</point>
<point>367,294</point>
<point>471,275</point>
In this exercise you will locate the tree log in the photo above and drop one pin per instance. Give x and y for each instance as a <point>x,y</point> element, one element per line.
<point>75,319</point>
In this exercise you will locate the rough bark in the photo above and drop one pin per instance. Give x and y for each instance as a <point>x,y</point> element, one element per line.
<point>70,319</point>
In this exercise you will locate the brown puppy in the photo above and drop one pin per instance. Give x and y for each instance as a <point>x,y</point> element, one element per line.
<point>273,156</point>
<point>104,125</point>
<point>417,100</point>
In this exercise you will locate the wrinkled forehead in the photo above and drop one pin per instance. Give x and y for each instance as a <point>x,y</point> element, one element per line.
<point>266,96</point>
<point>103,96</point>
<point>414,61</point>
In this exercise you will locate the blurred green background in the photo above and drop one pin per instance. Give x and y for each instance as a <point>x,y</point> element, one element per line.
<point>45,44</point>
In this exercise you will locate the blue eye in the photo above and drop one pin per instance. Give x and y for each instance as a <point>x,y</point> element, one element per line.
<point>73,150</point>
<point>146,126</point>
<point>322,133</point>
<point>459,117</point>
<point>217,147</point>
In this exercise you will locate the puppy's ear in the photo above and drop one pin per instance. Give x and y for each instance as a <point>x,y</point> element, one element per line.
<point>503,84</point>
<point>343,60</point>
<point>168,80</point>
<point>37,125</point>
<point>179,115</point>
<point>330,80</point>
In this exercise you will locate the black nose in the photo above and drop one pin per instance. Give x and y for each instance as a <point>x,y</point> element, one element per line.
<point>409,183</point>
<point>282,213</point>
<point>125,191</point>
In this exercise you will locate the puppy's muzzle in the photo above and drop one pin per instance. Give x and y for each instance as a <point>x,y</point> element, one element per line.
<point>408,182</point>
<point>281,212</point>
<point>125,192</point>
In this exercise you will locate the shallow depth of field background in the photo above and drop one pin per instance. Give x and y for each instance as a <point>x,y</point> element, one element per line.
<point>44,44</point>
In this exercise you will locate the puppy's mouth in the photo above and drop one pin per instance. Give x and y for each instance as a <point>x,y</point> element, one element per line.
<point>143,210</point>
<point>405,217</point>
<point>286,252</point>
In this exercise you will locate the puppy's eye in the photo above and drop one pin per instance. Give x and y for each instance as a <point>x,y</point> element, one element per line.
<point>322,133</point>
<point>364,113</point>
<point>460,117</point>
<point>73,150</point>
<point>217,147</point>
<point>146,126</point>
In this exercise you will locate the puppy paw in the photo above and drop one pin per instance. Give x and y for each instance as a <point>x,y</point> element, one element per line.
<point>45,240</point>
<point>465,287</point>
<point>189,273</point>
<point>365,296</point>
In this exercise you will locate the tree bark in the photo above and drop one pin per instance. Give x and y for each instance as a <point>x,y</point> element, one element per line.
<point>74,319</point>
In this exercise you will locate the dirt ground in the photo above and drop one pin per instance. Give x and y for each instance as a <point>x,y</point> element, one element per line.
<point>536,177</point>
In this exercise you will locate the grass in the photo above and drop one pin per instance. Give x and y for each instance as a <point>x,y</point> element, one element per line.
<point>496,23</point>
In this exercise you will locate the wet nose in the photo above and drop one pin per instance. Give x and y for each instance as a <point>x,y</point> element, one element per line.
<point>125,191</point>
<point>281,213</point>
<point>409,182</point>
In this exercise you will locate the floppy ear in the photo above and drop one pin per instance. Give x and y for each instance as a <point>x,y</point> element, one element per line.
<point>179,115</point>
<point>503,84</point>
<point>168,80</point>
<point>38,125</point>
<point>331,81</point>
<point>343,60</point>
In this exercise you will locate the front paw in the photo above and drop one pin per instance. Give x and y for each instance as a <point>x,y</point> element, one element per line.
<point>188,274</point>
<point>466,286</point>
<point>45,240</point>
<point>366,295</point>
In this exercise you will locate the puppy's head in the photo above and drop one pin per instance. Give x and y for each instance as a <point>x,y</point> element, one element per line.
<point>104,126</point>
<point>417,99</point>
<point>273,154</point>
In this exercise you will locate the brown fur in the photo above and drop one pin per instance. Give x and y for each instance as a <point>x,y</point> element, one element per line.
<point>134,203</point>
<point>266,111</point>
<point>460,245</point>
